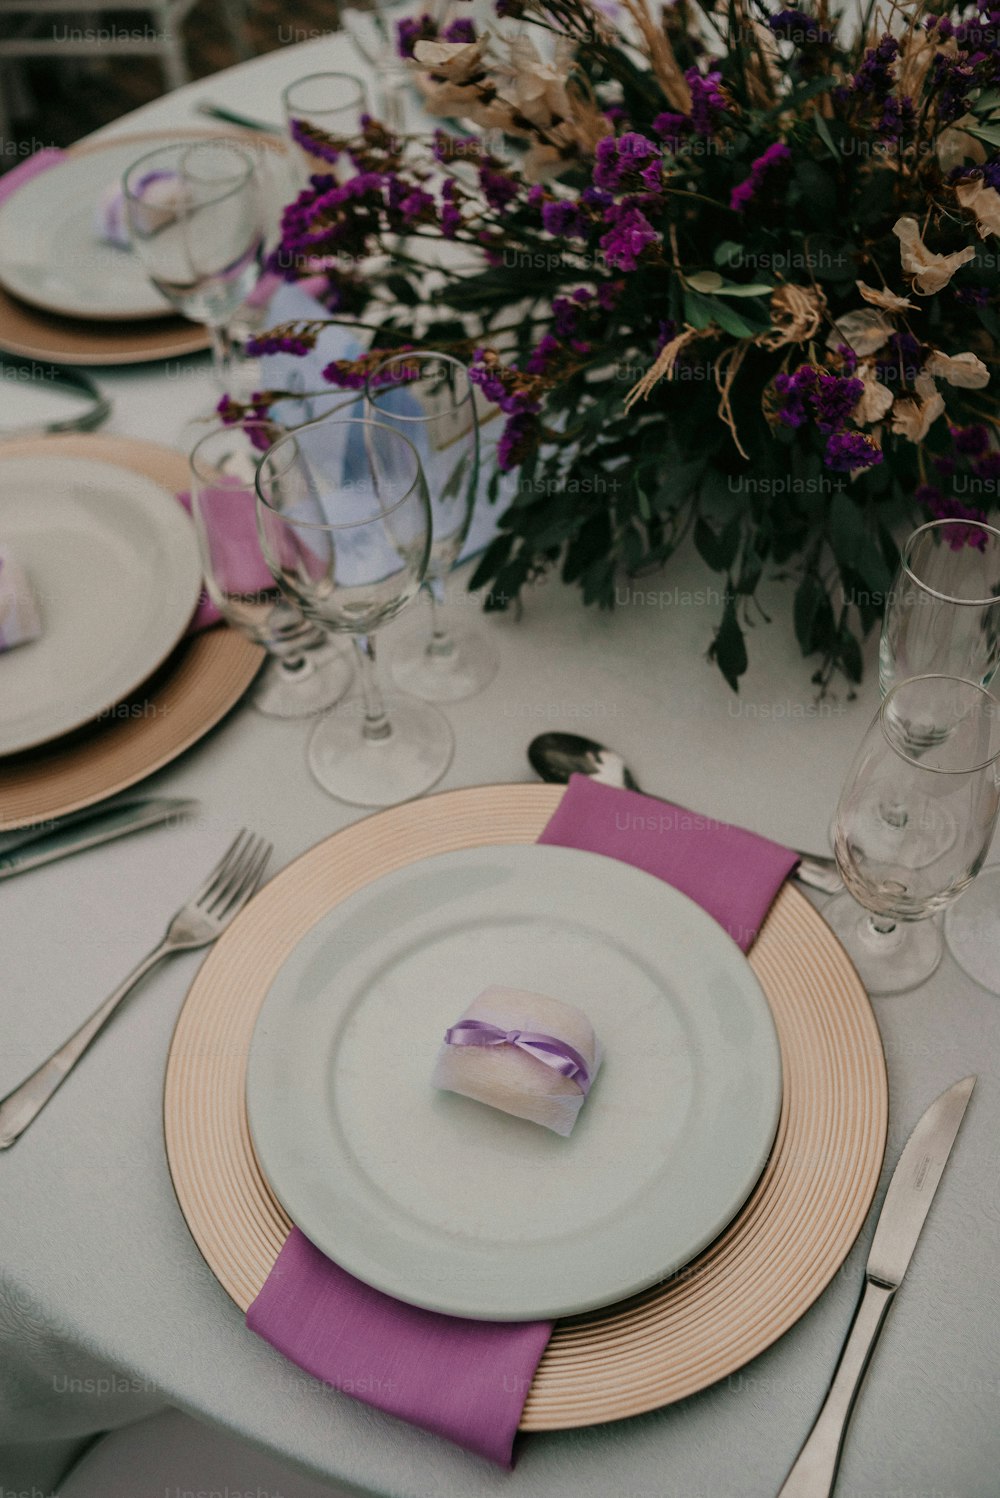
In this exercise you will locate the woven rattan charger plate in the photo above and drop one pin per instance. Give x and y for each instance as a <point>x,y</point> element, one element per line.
<point>717,1313</point>
<point>205,677</point>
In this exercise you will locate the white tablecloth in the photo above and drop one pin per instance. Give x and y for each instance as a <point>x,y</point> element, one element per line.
<point>106,1308</point>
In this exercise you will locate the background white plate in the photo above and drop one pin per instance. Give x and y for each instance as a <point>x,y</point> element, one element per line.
<point>50,255</point>
<point>452,1205</point>
<point>114,563</point>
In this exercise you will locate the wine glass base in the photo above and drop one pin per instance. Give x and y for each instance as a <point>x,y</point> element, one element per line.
<point>319,683</point>
<point>470,666</point>
<point>380,772</point>
<point>892,963</point>
<point>972,930</point>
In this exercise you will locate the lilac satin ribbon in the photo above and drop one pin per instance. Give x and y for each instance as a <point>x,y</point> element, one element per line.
<point>545,1048</point>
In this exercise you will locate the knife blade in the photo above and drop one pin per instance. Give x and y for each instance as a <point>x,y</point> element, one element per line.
<point>31,847</point>
<point>904,1211</point>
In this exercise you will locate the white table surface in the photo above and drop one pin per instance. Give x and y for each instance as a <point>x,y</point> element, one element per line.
<point>107,1310</point>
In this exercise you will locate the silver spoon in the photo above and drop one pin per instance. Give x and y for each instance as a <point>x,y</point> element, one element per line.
<point>557,756</point>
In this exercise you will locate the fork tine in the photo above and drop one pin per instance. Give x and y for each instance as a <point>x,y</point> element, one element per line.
<point>234,878</point>
<point>221,868</point>
<point>249,885</point>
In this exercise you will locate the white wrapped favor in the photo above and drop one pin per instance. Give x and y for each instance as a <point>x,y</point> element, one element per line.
<point>524,1053</point>
<point>20,620</point>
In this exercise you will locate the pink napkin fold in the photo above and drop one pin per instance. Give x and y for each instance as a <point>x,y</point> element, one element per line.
<point>468,1380</point>
<point>19,175</point>
<point>240,566</point>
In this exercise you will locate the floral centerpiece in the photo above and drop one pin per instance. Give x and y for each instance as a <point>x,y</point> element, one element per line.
<point>725,269</point>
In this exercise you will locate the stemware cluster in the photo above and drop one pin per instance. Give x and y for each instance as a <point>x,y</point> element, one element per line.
<point>919,807</point>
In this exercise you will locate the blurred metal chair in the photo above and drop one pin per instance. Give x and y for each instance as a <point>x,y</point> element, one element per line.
<point>28,29</point>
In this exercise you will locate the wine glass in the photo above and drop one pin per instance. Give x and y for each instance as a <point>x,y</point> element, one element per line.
<point>304,675</point>
<point>345,524</point>
<point>429,397</point>
<point>934,747</point>
<point>943,614</point>
<point>196,222</point>
<point>328,103</point>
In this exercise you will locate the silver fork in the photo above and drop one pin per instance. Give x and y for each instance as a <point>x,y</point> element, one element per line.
<point>205,916</point>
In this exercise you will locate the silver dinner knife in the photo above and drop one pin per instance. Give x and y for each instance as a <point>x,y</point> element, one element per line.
<point>44,842</point>
<point>907,1202</point>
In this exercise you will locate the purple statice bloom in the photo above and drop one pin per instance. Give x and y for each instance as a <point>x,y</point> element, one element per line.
<point>833,398</point>
<point>745,192</point>
<point>902,361</point>
<point>707,100</point>
<point>564,220</point>
<point>875,78</point>
<point>991,173</point>
<point>897,118</point>
<point>487,379</point>
<point>462,30</point>
<point>596,198</point>
<point>301,133</point>
<point>565,315</point>
<point>794,391</point>
<point>608,293</point>
<point>541,358</point>
<point>411,30</point>
<point>417,206</point>
<point>618,161</point>
<point>971,441</point>
<point>499,190</point>
<point>451,216</point>
<point>628,235</point>
<point>945,466</point>
<point>848,356</point>
<point>341,374</point>
<point>848,451</point>
<point>795,26</point>
<point>518,438</point>
<point>282,343</point>
<point>947,507</point>
<point>672,128</point>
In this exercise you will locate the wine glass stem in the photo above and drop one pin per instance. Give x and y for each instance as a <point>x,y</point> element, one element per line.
<point>222,356</point>
<point>376,725</point>
<point>880,925</point>
<point>440,643</point>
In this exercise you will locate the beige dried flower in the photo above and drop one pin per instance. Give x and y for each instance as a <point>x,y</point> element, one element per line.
<point>876,398</point>
<point>984,203</point>
<point>863,331</point>
<point>929,271</point>
<point>964,371</point>
<point>887,300</point>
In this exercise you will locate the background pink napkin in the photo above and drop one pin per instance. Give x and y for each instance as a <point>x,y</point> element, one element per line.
<point>242,569</point>
<point>19,175</point>
<point>468,1380</point>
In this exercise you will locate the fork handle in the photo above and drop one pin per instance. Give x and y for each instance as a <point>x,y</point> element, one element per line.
<point>20,1107</point>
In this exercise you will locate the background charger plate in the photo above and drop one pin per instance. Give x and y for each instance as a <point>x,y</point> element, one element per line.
<point>94,345</point>
<point>461,1208</point>
<point>197,685</point>
<point>748,1287</point>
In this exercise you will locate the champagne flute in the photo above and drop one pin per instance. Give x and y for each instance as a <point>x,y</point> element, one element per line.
<point>345,524</point>
<point>934,747</point>
<point>430,398</point>
<point>943,614</point>
<point>196,222</point>
<point>324,103</point>
<point>303,676</point>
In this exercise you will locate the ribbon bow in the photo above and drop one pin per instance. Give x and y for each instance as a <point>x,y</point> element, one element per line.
<point>548,1049</point>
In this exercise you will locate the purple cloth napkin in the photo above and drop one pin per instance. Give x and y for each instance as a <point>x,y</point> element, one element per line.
<point>19,175</point>
<point>238,562</point>
<point>468,1380</point>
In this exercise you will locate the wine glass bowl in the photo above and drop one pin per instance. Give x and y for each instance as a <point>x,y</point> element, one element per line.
<point>428,396</point>
<point>943,612</point>
<point>932,750</point>
<point>323,104</point>
<point>345,525</point>
<point>304,675</point>
<point>196,221</point>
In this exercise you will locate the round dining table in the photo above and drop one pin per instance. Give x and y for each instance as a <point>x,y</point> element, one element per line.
<point>108,1312</point>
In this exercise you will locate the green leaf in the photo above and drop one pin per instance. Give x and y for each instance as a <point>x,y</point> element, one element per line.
<point>728,252</point>
<point>403,290</point>
<point>812,614</point>
<point>988,133</point>
<point>728,649</point>
<point>718,548</point>
<point>823,131</point>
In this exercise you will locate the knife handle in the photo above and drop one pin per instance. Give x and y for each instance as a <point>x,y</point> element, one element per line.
<point>815,1468</point>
